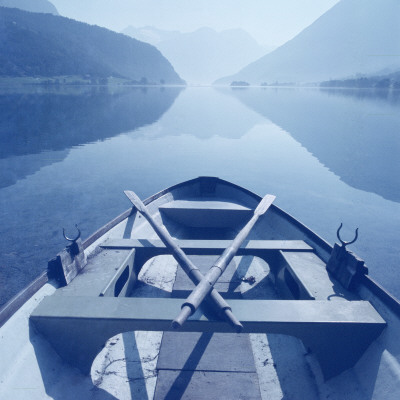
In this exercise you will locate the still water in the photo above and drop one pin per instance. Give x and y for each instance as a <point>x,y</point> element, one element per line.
<point>66,155</point>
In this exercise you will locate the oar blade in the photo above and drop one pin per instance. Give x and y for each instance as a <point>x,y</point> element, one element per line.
<point>135,200</point>
<point>264,204</point>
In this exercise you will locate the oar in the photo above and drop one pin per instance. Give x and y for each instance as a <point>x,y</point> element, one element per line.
<point>207,283</point>
<point>191,270</point>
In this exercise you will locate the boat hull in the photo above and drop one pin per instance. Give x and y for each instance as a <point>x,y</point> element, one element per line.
<point>306,335</point>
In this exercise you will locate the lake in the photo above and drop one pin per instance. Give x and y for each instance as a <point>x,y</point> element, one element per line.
<point>67,154</point>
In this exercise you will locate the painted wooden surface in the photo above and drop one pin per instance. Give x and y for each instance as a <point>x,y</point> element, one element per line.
<point>310,271</point>
<point>228,284</point>
<point>199,385</point>
<point>207,365</point>
<point>210,245</point>
<point>97,274</point>
<point>207,351</point>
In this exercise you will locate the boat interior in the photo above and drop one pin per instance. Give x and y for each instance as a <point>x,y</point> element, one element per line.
<point>309,330</point>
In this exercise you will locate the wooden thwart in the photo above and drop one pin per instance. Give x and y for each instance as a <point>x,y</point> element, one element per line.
<point>211,246</point>
<point>337,332</point>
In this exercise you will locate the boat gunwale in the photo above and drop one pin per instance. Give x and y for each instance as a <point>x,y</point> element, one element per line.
<point>16,302</point>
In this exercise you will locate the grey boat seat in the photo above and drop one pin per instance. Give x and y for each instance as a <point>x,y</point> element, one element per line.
<point>80,317</point>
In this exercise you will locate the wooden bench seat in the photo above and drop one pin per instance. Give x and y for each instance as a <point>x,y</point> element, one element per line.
<point>337,332</point>
<point>206,213</point>
<point>100,276</point>
<point>211,246</point>
<point>310,275</point>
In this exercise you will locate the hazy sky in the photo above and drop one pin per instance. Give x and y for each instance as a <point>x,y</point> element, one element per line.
<point>269,21</point>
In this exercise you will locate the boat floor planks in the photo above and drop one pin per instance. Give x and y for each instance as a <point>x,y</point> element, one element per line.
<point>208,365</point>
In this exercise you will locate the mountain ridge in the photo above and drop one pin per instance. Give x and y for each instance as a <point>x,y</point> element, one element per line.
<point>37,44</point>
<point>203,55</point>
<point>353,37</point>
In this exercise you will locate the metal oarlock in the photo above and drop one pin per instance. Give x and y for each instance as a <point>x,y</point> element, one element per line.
<point>72,240</point>
<point>344,244</point>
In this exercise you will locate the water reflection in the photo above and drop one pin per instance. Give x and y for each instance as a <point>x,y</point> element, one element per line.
<point>157,138</point>
<point>353,132</point>
<point>38,127</point>
<point>376,95</point>
<point>203,113</point>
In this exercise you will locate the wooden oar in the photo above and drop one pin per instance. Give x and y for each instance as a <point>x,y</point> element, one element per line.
<point>207,283</point>
<point>191,270</point>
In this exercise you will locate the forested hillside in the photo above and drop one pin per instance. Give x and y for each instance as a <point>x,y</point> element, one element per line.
<point>389,81</point>
<point>44,45</point>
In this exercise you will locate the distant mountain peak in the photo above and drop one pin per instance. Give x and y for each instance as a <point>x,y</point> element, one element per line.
<point>201,56</point>
<point>204,29</point>
<point>149,34</point>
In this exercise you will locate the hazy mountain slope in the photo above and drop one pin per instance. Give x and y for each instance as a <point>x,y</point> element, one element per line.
<point>353,37</point>
<point>40,6</point>
<point>203,55</point>
<point>151,35</point>
<point>46,45</point>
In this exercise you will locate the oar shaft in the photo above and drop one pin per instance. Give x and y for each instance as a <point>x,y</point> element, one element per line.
<point>177,252</point>
<point>230,252</point>
<point>190,269</point>
<point>207,283</point>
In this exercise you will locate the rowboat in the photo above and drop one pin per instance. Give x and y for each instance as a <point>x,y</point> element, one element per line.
<point>202,291</point>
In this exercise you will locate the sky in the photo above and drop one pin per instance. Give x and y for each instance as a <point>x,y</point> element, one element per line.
<point>270,22</point>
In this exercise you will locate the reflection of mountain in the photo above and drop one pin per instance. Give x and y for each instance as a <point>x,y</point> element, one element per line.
<point>37,122</point>
<point>354,136</point>
<point>192,115</point>
<point>16,167</point>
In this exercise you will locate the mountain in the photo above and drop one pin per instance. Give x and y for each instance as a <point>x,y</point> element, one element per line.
<point>44,45</point>
<point>150,34</point>
<point>39,6</point>
<point>203,55</point>
<point>353,37</point>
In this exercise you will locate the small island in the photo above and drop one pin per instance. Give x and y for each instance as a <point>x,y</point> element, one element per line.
<point>239,84</point>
